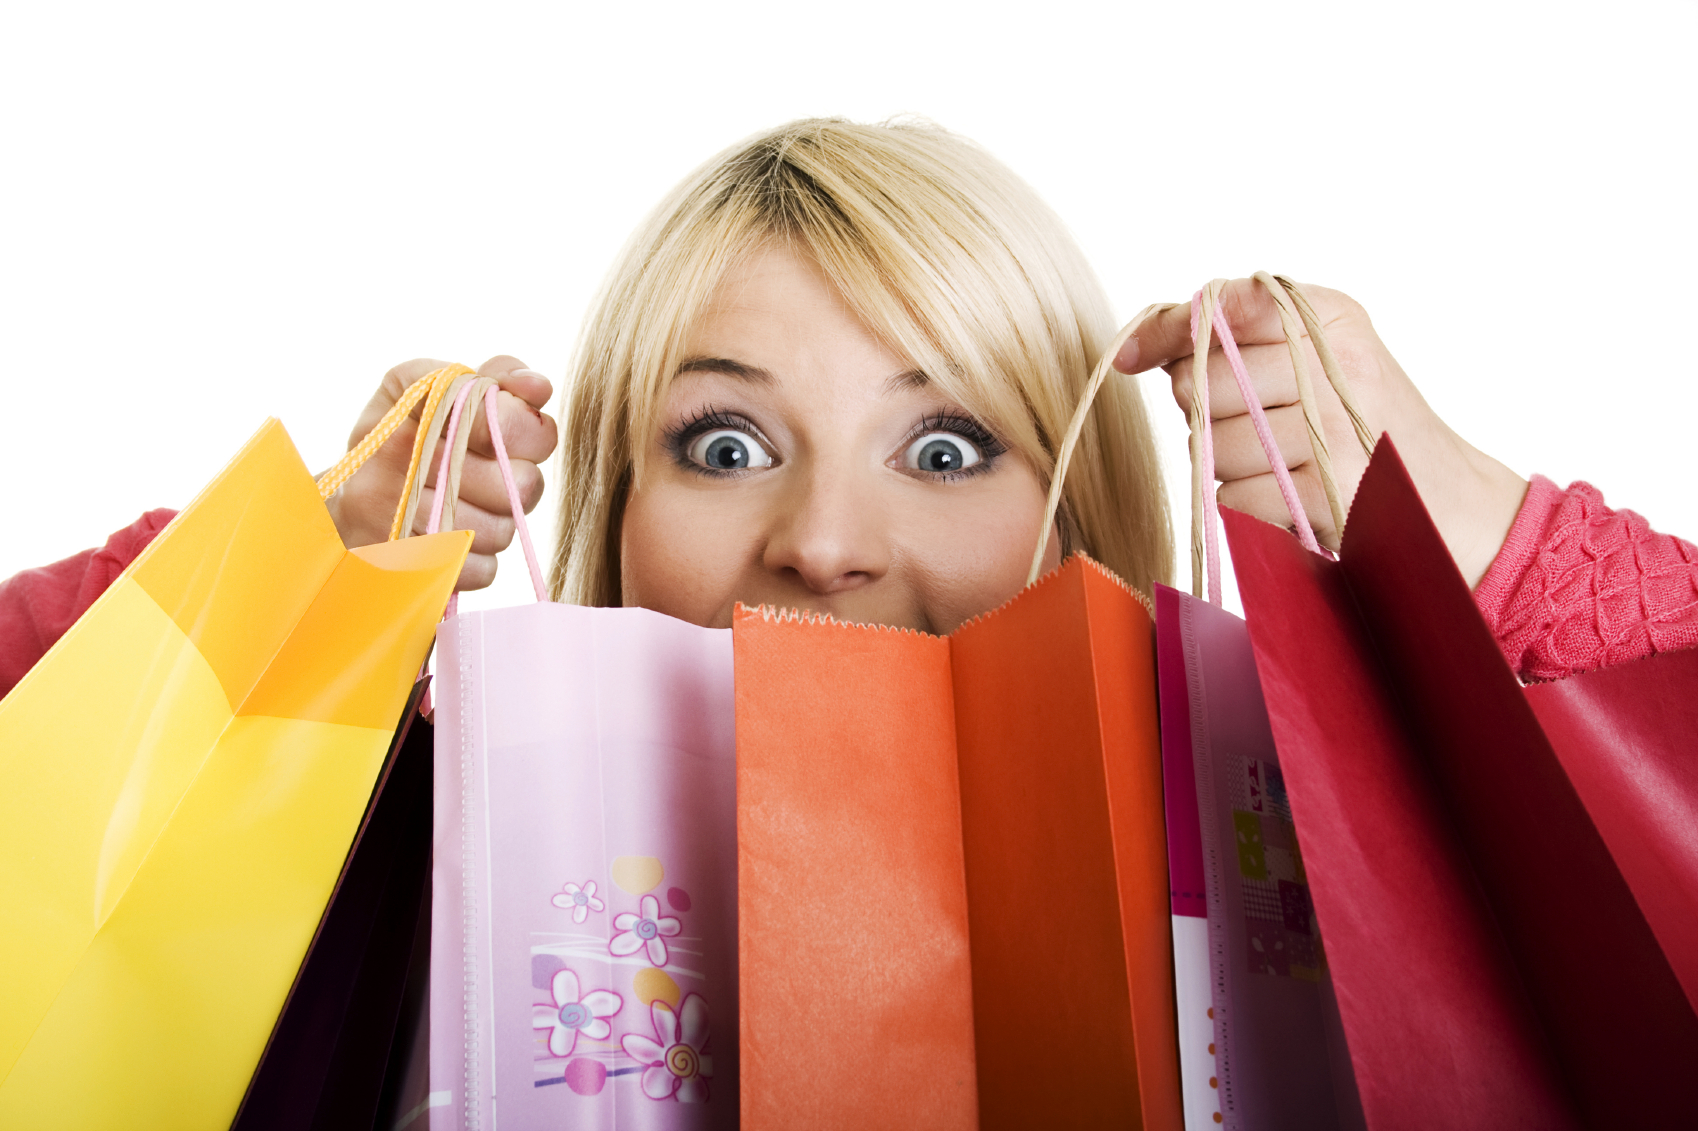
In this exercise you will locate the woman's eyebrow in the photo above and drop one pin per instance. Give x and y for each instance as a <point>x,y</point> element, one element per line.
<point>729,367</point>
<point>912,379</point>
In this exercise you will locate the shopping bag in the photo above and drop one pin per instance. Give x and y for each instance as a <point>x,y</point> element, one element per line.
<point>1624,736</point>
<point>183,775</point>
<point>1510,928</point>
<point>952,878</point>
<point>338,1049</point>
<point>330,1053</point>
<point>1508,919</point>
<point>1259,1034</point>
<point>1261,1043</point>
<point>1193,988</point>
<point>584,902</point>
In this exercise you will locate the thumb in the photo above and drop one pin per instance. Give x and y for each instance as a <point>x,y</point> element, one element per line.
<point>1161,338</point>
<point>514,377</point>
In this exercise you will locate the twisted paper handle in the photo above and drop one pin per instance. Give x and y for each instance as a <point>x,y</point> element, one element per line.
<point>1076,426</point>
<point>1206,320</point>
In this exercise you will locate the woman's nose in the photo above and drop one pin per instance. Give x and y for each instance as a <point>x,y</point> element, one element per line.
<point>830,533</point>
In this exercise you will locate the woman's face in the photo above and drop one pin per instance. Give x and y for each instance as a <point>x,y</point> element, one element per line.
<point>800,463</point>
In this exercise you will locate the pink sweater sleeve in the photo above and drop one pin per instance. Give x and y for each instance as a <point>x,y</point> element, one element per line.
<point>38,605</point>
<point>1580,586</point>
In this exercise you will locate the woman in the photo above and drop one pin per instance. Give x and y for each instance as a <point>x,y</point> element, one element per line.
<point>831,371</point>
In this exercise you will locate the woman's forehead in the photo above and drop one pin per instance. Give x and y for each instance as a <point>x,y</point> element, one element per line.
<point>776,317</point>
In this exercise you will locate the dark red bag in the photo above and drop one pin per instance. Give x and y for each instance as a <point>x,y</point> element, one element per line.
<point>1506,879</point>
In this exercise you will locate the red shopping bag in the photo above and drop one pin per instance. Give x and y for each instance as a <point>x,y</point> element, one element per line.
<point>1506,879</point>
<point>952,877</point>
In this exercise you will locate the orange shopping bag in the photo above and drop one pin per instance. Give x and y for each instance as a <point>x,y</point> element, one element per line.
<point>952,868</point>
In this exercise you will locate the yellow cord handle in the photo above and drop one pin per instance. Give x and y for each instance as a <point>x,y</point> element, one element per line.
<point>431,388</point>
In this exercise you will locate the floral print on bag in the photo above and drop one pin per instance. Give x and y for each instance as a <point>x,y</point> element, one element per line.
<point>676,1064</point>
<point>648,931</point>
<point>642,954</point>
<point>580,901</point>
<point>568,1015</point>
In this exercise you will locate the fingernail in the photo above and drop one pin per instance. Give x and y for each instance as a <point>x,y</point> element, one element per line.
<point>1127,359</point>
<point>527,373</point>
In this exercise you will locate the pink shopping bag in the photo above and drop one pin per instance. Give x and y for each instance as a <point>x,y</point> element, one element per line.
<point>584,930</point>
<point>583,964</point>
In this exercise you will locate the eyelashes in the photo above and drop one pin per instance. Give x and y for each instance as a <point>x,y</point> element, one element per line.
<point>679,439</point>
<point>960,424</point>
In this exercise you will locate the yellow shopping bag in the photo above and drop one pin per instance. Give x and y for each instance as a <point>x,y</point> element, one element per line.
<point>180,779</point>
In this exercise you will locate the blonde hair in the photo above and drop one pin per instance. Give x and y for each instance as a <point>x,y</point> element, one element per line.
<point>937,247</point>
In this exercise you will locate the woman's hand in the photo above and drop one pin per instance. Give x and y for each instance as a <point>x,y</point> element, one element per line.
<point>365,506</point>
<point>1472,498</point>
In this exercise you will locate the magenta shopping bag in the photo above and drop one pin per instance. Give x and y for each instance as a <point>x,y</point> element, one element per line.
<point>1261,1044</point>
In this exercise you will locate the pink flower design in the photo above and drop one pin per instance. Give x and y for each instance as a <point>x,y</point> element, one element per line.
<point>676,1064</point>
<point>646,930</point>
<point>568,1016</point>
<point>580,901</point>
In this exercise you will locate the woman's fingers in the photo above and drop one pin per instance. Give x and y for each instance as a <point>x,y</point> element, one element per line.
<point>1259,497</point>
<point>482,486</point>
<point>363,507</point>
<point>1241,464</point>
<point>1473,499</point>
<point>477,573</point>
<point>527,432</point>
<point>492,530</point>
<point>1165,336</point>
<point>518,379</point>
<point>1238,450</point>
<point>1270,373</point>
<point>1248,484</point>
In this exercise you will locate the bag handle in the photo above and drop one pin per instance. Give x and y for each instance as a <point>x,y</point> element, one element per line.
<point>1206,314</point>
<point>431,424</point>
<point>455,440</point>
<point>1207,319</point>
<point>1076,426</point>
<point>432,388</point>
<point>455,443</point>
<point>443,390</point>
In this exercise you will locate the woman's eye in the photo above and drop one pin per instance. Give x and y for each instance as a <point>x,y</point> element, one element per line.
<point>941,452</point>
<point>726,449</point>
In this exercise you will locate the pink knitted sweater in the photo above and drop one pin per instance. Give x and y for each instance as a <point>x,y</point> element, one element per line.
<point>1576,586</point>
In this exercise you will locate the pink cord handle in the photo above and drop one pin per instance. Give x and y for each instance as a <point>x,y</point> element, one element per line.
<point>1206,457</point>
<point>506,466</point>
<point>537,585</point>
<point>1259,418</point>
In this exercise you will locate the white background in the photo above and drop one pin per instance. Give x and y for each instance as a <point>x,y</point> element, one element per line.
<point>212,214</point>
